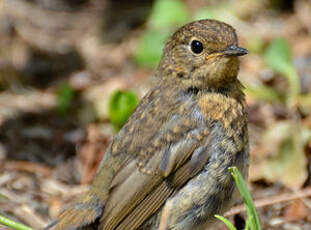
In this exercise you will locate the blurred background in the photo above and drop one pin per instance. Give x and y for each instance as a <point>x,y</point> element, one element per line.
<point>72,71</point>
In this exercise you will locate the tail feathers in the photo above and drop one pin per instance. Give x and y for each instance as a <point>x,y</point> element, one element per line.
<point>80,216</point>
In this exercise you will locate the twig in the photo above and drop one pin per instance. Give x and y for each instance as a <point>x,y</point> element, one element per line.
<point>28,167</point>
<point>272,200</point>
<point>29,216</point>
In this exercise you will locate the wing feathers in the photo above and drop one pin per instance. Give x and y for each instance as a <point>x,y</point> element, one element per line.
<point>147,207</point>
<point>156,199</point>
<point>81,215</point>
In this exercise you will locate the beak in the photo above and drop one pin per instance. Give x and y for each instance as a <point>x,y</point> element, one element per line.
<point>235,51</point>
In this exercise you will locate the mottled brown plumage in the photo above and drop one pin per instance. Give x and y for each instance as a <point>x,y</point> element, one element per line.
<point>179,142</point>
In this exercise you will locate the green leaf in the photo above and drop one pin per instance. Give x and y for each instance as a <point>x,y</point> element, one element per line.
<point>304,103</point>
<point>168,13</point>
<point>205,13</point>
<point>247,198</point>
<point>305,135</point>
<point>65,96</point>
<point>226,221</point>
<point>255,44</point>
<point>121,105</point>
<point>221,13</point>
<point>263,92</point>
<point>150,48</point>
<point>278,57</point>
<point>12,224</point>
<point>288,164</point>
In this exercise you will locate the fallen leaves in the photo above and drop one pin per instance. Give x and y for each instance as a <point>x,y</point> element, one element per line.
<point>285,161</point>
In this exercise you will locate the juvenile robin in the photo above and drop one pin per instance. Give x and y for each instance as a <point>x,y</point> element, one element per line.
<point>177,146</point>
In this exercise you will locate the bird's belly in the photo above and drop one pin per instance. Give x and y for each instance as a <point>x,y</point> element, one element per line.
<point>196,203</point>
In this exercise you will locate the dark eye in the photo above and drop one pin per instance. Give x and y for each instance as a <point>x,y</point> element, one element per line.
<point>196,46</point>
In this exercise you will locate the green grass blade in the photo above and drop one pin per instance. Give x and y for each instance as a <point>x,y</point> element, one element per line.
<point>248,222</point>
<point>251,210</point>
<point>12,224</point>
<point>226,221</point>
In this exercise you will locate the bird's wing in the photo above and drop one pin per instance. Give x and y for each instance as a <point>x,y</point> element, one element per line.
<point>166,161</point>
<point>157,151</point>
<point>157,197</point>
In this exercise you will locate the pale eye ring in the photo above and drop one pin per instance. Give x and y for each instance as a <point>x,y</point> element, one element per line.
<point>196,46</point>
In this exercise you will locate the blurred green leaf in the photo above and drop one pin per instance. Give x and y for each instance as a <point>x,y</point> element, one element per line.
<point>255,44</point>
<point>221,13</point>
<point>277,133</point>
<point>150,48</point>
<point>121,105</point>
<point>287,162</point>
<point>263,93</point>
<point>304,102</point>
<point>3,197</point>
<point>289,166</point>
<point>205,13</point>
<point>305,135</point>
<point>278,57</point>
<point>168,13</point>
<point>65,94</point>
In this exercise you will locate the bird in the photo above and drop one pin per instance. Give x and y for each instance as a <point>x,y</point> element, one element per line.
<point>174,151</point>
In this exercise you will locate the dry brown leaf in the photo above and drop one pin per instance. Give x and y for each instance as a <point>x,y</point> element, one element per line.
<point>288,164</point>
<point>296,211</point>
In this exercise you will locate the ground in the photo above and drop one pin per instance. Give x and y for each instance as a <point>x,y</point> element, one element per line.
<point>60,61</point>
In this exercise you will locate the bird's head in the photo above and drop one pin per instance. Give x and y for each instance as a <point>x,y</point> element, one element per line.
<point>202,54</point>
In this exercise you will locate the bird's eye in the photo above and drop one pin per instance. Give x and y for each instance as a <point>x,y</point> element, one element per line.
<point>196,46</point>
